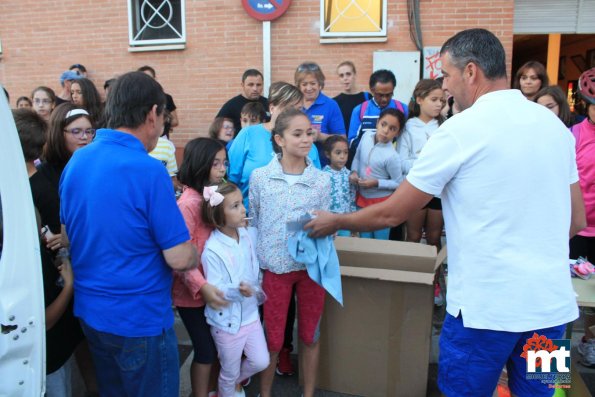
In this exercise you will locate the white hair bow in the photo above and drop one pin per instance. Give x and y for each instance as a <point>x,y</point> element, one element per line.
<point>213,197</point>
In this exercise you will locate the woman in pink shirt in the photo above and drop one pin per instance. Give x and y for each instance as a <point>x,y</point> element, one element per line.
<point>204,164</point>
<point>584,133</point>
<point>583,244</point>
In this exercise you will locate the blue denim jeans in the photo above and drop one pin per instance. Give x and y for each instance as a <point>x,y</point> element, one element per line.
<point>135,366</point>
<point>58,383</point>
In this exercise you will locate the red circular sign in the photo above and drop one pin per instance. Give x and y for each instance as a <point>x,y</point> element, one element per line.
<point>266,10</point>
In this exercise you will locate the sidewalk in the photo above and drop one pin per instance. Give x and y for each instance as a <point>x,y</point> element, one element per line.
<point>285,386</point>
<point>289,387</point>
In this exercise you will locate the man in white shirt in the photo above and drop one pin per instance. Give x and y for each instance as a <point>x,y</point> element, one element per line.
<point>507,175</point>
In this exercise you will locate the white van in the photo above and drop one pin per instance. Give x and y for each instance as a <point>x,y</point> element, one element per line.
<point>22,322</point>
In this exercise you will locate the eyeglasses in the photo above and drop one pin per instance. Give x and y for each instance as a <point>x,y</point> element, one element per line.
<point>219,163</point>
<point>45,101</point>
<point>309,67</point>
<point>77,132</point>
<point>381,95</point>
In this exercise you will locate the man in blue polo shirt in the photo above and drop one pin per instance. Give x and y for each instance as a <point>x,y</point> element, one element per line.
<point>127,234</point>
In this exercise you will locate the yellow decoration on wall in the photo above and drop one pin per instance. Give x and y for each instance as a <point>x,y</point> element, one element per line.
<point>353,16</point>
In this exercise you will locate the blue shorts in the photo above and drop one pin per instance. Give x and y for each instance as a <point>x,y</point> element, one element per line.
<point>471,360</point>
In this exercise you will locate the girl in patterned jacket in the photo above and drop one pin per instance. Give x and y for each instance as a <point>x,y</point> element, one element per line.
<point>342,192</point>
<point>284,191</point>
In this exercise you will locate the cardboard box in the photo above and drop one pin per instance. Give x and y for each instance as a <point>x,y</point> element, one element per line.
<point>378,344</point>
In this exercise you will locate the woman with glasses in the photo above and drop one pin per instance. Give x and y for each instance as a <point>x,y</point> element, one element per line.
<point>69,130</point>
<point>44,101</point>
<point>222,128</point>
<point>324,113</point>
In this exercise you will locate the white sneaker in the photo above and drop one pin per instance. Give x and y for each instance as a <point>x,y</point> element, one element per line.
<point>587,351</point>
<point>240,393</point>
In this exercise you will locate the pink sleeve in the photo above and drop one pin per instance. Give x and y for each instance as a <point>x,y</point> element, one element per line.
<point>576,131</point>
<point>199,233</point>
<point>194,280</point>
<point>190,210</point>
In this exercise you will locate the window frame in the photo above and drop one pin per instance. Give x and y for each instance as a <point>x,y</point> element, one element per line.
<point>154,42</point>
<point>381,34</point>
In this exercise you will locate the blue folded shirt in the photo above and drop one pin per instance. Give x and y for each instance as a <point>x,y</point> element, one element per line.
<point>321,260</point>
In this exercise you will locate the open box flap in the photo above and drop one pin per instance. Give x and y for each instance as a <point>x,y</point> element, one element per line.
<point>388,255</point>
<point>388,275</point>
<point>441,258</point>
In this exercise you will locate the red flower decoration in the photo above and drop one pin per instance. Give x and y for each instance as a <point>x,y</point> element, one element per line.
<point>536,343</point>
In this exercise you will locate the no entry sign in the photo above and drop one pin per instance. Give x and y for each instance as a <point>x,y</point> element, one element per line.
<point>266,10</point>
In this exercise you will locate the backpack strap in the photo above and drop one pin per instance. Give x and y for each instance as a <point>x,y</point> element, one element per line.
<point>362,110</point>
<point>398,105</point>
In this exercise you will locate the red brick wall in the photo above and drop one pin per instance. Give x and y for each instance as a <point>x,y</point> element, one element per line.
<point>40,41</point>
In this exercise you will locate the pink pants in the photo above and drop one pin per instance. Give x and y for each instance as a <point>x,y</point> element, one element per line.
<point>250,341</point>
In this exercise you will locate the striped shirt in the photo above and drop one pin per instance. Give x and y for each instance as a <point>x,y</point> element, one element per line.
<point>165,151</point>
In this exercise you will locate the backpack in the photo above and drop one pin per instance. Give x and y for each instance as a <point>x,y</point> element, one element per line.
<point>355,142</point>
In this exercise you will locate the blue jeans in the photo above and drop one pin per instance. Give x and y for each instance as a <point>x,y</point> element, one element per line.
<point>135,366</point>
<point>58,383</point>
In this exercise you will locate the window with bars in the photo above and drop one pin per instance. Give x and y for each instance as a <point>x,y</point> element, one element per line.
<point>156,22</point>
<point>353,18</point>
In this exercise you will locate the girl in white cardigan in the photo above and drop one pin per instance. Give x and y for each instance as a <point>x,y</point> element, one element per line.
<point>229,263</point>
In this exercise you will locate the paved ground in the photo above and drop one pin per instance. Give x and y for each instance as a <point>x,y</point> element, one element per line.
<point>289,387</point>
<point>587,373</point>
<point>283,386</point>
